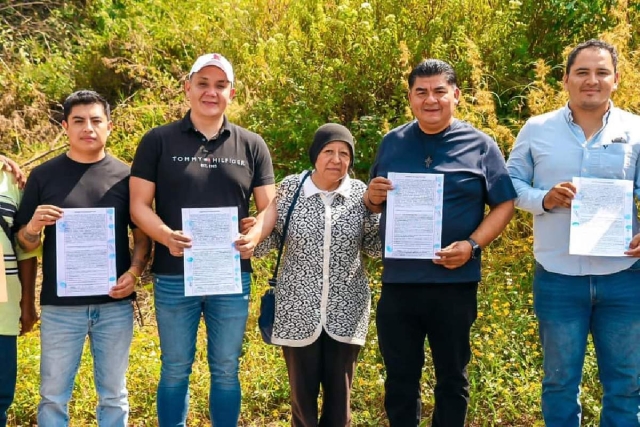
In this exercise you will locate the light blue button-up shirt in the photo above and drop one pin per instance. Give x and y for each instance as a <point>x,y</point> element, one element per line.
<point>551,149</point>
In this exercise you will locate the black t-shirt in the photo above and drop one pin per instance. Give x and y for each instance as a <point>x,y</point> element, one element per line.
<point>190,171</point>
<point>68,184</point>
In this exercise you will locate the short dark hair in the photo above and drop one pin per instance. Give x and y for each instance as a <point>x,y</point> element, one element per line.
<point>433,67</point>
<point>592,44</point>
<point>84,97</point>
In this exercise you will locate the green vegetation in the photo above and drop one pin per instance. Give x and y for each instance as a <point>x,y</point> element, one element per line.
<point>300,63</point>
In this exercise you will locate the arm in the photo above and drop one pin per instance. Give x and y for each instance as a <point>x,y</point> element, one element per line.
<point>264,197</point>
<point>142,193</point>
<point>29,234</point>
<point>127,282</point>
<point>27,270</point>
<point>521,168</point>
<point>634,245</point>
<point>376,194</point>
<point>493,224</point>
<point>12,167</point>
<point>371,242</point>
<point>458,253</point>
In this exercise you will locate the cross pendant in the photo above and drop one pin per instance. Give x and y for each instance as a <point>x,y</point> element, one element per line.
<point>428,162</point>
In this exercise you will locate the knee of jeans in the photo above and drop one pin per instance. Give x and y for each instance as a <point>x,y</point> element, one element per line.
<point>224,374</point>
<point>175,373</point>
<point>563,377</point>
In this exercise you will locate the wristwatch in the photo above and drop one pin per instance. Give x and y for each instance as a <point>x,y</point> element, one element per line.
<point>475,248</point>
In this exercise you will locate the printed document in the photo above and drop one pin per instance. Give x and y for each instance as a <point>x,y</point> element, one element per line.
<point>601,222</point>
<point>212,264</point>
<point>86,252</point>
<point>414,216</point>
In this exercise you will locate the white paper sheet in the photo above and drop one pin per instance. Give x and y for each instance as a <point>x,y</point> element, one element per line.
<point>212,264</point>
<point>414,216</point>
<point>86,252</point>
<point>601,223</point>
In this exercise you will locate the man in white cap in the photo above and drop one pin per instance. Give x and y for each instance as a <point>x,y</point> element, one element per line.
<point>201,160</point>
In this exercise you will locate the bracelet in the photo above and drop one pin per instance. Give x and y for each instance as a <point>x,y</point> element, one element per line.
<point>137,278</point>
<point>371,203</point>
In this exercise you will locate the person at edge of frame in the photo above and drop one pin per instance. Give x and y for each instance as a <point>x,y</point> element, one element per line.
<point>18,312</point>
<point>575,295</point>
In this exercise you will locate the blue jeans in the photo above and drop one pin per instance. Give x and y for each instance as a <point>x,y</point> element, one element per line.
<point>568,308</point>
<point>62,335</point>
<point>178,317</point>
<point>8,371</point>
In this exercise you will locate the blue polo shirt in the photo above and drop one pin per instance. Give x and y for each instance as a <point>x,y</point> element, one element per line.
<point>475,175</point>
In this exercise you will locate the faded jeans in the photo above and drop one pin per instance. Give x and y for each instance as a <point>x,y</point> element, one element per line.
<point>178,316</point>
<point>62,335</point>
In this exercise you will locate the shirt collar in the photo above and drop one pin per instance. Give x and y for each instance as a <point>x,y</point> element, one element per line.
<point>344,189</point>
<point>568,114</point>
<point>186,125</point>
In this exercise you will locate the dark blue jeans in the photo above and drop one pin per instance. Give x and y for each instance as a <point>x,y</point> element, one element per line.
<point>407,315</point>
<point>568,308</point>
<point>8,371</point>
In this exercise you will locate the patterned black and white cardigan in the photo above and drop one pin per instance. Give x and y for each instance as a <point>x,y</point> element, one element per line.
<point>322,280</point>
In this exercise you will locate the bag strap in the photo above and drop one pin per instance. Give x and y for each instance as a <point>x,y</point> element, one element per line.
<point>8,231</point>
<point>272,282</point>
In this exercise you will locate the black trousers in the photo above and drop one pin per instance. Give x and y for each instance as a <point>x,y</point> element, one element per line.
<point>327,362</point>
<point>442,313</point>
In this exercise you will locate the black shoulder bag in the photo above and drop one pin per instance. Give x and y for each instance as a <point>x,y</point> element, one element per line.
<point>268,300</point>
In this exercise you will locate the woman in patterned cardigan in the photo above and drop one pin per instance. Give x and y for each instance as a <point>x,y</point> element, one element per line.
<point>323,298</point>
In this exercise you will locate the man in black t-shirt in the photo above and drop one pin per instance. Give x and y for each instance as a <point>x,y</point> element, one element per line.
<point>200,161</point>
<point>75,306</point>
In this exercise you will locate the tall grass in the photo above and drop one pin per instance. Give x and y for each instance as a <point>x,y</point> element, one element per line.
<point>301,63</point>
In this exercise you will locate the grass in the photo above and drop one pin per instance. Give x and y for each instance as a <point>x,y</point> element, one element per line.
<point>505,370</point>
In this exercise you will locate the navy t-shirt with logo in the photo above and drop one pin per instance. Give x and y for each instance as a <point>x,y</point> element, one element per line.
<point>475,176</point>
<point>190,171</point>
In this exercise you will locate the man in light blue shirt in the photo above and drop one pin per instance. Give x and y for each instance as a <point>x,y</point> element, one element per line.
<point>576,295</point>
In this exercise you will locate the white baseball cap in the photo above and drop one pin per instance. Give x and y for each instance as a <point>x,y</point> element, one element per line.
<point>216,60</point>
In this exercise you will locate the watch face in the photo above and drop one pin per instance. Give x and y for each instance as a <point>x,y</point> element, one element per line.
<point>476,251</point>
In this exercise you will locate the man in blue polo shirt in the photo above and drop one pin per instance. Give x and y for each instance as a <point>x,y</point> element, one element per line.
<point>575,295</point>
<point>436,299</point>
